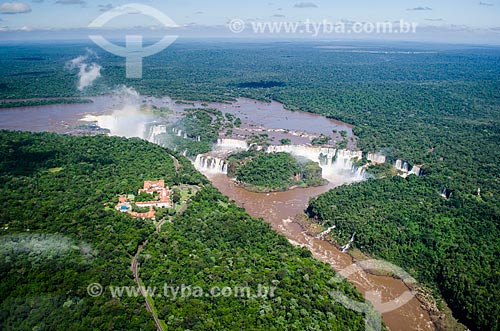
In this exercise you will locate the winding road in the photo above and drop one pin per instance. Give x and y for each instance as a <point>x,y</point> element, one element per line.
<point>135,270</point>
<point>176,162</point>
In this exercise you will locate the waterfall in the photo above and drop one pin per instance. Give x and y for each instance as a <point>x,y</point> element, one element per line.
<point>231,144</point>
<point>210,164</point>
<point>376,158</point>
<point>445,193</point>
<point>416,170</point>
<point>182,134</point>
<point>335,163</point>
<point>343,162</point>
<point>155,131</point>
<point>327,156</point>
<point>179,133</point>
<point>348,245</point>
<point>402,166</point>
<point>324,233</point>
<point>308,152</point>
<point>348,154</point>
<point>399,165</point>
<point>407,169</point>
<point>360,173</point>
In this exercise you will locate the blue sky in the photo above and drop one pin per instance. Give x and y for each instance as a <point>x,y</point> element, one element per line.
<point>481,16</point>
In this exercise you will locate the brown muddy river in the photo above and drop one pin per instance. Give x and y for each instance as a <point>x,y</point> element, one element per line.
<point>257,117</point>
<point>279,209</point>
<point>52,118</point>
<point>272,118</point>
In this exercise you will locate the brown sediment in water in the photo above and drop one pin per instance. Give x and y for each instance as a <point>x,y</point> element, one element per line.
<point>58,118</point>
<point>280,209</point>
<point>423,294</point>
<point>274,119</point>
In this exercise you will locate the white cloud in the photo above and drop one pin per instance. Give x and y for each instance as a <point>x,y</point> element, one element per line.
<point>14,8</point>
<point>420,8</point>
<point>306,5</point>
<point>71,2</point>
<point>41,247</point>
<point>87,73</point>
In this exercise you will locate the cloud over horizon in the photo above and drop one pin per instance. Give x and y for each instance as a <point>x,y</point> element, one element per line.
<point>306,5</point>
<point>71,2</point>
<point>420,8</point>
<point>14,8</point>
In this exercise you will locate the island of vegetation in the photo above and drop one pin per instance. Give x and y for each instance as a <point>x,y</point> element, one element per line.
<point>268,172</point>
<point>41,102</point>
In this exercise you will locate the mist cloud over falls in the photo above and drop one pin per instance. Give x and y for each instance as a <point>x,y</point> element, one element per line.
<point>127,119</point>
<point>87,72</point>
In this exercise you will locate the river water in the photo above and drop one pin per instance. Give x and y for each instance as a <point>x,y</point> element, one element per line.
<point>278,208</point>
<point>277,122</point>
<point>53,118</point>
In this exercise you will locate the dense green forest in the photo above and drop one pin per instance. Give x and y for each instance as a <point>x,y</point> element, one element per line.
<point>216,244</point>
<point>267,172</point>
<point>41,102</point>
<point>439,109</point>
<point>452,244</point>
<point>60,233</point>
